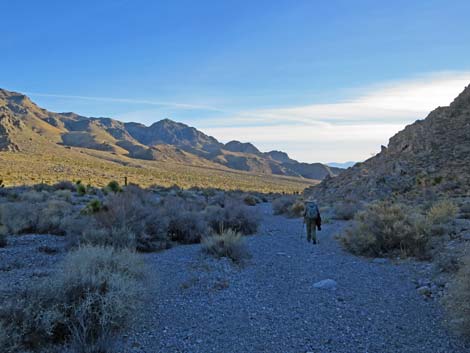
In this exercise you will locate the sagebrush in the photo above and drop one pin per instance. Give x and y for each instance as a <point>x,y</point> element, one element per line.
<point>84,305</point>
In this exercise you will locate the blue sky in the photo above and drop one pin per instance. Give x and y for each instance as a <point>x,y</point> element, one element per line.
<point>322,80</point>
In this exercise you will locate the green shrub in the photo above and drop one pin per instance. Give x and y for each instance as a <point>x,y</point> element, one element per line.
<point>457,299</point>
<point>85,304</point>
<point>387,228</point>
<point>227,244</point>
<point>81,189</point>
<point>94,206</point>
<point>114,186</point>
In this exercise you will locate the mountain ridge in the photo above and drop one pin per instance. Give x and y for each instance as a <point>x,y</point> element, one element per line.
<point>429,156</point>
<point>23,124</point>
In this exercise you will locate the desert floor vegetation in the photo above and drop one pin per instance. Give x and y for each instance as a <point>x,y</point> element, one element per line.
<point>288,205</point>
<point>82,306</point>
<point>457,299</point>
<point>389,228</point>
<point>228,244</point>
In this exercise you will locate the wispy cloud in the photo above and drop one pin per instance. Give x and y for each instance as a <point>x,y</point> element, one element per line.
<point>174,105</point>
<point>377,113</point>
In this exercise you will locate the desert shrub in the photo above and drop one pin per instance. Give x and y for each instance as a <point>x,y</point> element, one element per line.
<point>81,189</point>
<point>85,304</point>
<point>65,195</point>
<point>283,204</point>
<point>113,186</point>
<point>457,299</point>
<point>187,227</point>
<point>251,200</point>
<point>227,244</point>
<point>442,212</point>
<point>346,210</point>
<point>33,196</point>
<point>65,185</point>
<point>118,238</point>
<point>93,206</point>
<point>297,209</point>
<point>234,215</point>
<point>387,228</point>
<point>26,217</point>
<point>137,211</point>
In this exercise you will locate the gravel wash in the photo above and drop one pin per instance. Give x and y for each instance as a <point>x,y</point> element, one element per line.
<point>193,303</point>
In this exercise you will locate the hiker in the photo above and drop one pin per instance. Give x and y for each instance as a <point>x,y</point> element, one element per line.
<point>312,219</point>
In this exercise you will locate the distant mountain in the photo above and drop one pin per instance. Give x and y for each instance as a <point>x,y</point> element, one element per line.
<point>343,165</point>
<point>25,126</point>
<point>428,156</point>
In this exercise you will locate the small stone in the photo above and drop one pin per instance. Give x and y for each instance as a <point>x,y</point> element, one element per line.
<point>326,284</point>
<point>424,290</point>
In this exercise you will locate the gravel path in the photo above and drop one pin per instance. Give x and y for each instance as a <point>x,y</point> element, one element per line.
<point>198,304</point>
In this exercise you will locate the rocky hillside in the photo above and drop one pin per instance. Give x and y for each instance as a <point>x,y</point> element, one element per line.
<point>429,155</point>
<point>25,126</point>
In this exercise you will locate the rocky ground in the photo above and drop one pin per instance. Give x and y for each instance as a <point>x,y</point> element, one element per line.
<point>278,301</point>
<point>275,303</point>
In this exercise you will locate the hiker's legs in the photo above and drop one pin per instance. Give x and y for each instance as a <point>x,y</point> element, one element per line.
<point>309,230</point>
<point>314,232</point>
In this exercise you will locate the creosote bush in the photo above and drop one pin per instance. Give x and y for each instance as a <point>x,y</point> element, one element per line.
<point>457,299</point>
<point>288,205</point>
<point>40,217</point>
<point>442,212</point>
<point>385,228</point>
<point>84,305</point>
<point>233,215</point>
<point>228,244</point>
<point>346,210</point>
<point>282,204</point>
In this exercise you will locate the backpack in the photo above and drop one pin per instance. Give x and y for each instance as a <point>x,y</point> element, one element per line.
<point>311,210</point>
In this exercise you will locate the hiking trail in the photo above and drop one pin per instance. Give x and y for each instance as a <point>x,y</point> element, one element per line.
<point>194,303</point>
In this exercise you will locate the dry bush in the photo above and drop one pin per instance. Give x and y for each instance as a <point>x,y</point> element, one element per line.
<point>250,200</point>
<point>187,227</point>
<point>297,209</point>
<point>457,299</point>
<point>42,218</point>
<point>288,205</point>
<point>227,244</point>
<point>33,196</point>
<point>139,213</point>
<point>234,215</point>
<point>442,212</point>
<point>65,185</point>
<point>65,195</point>
<point>186,222</point>
<point>283,204</point>
<point>386,228</point>
<point>84,305</point>
<point>346,210</point>
<point>118,238</point>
